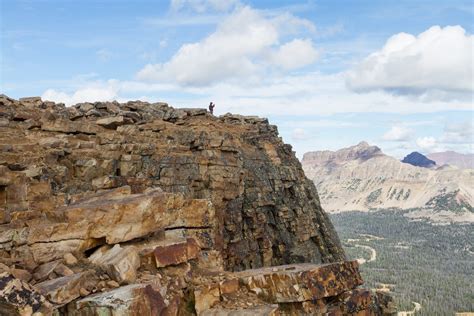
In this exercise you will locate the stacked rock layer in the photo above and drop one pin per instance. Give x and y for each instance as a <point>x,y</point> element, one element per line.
<point>143,209</point>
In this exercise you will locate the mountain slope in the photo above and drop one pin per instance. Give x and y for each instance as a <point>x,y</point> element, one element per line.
<point>361,177</point>
<point>462,161</point>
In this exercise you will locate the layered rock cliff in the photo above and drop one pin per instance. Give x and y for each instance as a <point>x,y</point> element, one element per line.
<point>362,177</point>
<point>165,205</point>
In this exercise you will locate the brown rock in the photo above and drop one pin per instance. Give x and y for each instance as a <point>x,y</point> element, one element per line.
<point>66,126</point>
<point>206,297</point>
<point>302,282</point>
<point>351,302</point>
<point>65,289</point>
<point>119,217</point>
<point>130,300</point>
<point>384,303</point>
<point>176,253</point>
<point>73,181</point>
<point>229,286</point>
<point>84,292</point>
<point>44,270</point>
<point>21,274</point>
<point>114,122</point>
<point>69,259</point>
<point>4,268</point>
<point>121,264</point>
<point>62,270</point>
<point>264,310</point>
<point>112,284</point>
<point>236,165</point>
<point>19,298</point>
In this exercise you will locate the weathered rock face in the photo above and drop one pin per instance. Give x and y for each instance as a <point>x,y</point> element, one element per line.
<point>267,212</point>
<point>159,208</point>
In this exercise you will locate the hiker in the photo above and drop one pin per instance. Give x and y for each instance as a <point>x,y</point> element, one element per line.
<point>211,107</point>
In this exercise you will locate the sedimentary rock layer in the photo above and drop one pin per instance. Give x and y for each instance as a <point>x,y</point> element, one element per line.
<point>140,209</point>
<point>267,212</point>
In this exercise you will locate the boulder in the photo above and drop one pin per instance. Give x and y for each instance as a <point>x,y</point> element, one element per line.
<point>130,300</point>
<point>119,216</point>
<point>114,122</point>
<point>121,264</point>
<point>43,271</point>
<point>70,127</point>
<point>69,259</point>
<point>66,289</point>
<point>206,297</point>
<point>173,253</point>
<point>301,282</point>
<point>21,274</point>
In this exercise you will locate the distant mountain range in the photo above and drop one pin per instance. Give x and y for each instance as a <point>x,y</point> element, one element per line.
<point>362,178</point>
<point>462,161</point>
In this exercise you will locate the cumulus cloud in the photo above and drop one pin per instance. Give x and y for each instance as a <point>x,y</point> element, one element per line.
<point>295,54</point>
<point>437,62</point>
<point>244,45</point>
<point>455,136</point>
<point>426,143</point>
<point>93,93</point>
<point>398,133</point>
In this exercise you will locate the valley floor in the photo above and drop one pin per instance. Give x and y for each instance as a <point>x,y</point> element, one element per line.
<point>414,260</point>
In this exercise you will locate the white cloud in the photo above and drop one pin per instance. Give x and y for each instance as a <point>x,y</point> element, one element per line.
<point>299,134</point>
<point>458,137</point>
<point>426,143</point>
<point>398,133</point>
<point>244,45</point>
<point>201,6</point>
<point>437,63</point>
<point>295,54</point>
<point>94,93</point>
<point>458,133</point>
<point>301,94</point>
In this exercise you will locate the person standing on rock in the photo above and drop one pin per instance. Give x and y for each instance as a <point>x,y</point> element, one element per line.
<point>211,107</point>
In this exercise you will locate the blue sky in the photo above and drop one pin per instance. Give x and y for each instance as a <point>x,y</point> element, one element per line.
<point>398,74</point>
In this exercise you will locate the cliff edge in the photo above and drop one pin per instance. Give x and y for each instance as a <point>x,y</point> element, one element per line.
<point>143,207</point>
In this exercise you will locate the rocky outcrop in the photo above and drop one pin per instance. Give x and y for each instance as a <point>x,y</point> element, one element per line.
<point>419,160</point>
<point>141,208</point>
<point>361,178</point>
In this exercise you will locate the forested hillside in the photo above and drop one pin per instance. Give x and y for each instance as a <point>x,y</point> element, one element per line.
<point>418,262</point>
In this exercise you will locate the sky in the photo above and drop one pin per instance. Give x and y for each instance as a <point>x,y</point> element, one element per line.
<point>397,74</point>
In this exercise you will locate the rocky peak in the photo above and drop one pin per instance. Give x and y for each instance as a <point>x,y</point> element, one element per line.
<point>362,151</point>
<point>419,160</point>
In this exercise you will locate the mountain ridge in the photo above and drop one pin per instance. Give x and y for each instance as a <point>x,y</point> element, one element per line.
<point>462,161</point>
<point>383,182</point>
